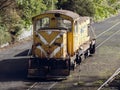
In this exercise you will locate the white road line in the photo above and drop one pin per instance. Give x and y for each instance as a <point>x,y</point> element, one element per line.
<point>107,39</point>
<point>107,30</point>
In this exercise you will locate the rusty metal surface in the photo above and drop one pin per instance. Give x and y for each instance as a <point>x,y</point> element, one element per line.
<point>65,12</point>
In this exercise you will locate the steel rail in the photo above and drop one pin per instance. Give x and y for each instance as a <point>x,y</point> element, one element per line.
<point>33,85</point>
<point>118,70</point>
<point>52,85</point>
<point>107,39</point>
<point>110,79</point>
<point>107,30</point>
<point>37,83</point>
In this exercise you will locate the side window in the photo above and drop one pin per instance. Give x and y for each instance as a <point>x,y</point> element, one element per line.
<point>76,27</point>
<point>42,23</point>
<point>82,30</point>
<point>37,25</point>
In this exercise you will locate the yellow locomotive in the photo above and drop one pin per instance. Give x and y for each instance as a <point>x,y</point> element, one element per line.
<point>60,41</point>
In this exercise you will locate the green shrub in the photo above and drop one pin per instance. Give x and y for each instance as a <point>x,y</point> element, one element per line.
<point>5,36</point>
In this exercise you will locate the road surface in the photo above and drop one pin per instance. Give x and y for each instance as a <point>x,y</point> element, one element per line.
<point>92,72</point>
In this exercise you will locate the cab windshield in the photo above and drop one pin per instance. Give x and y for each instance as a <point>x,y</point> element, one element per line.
<point>59,23</point>
<point>43,23</point>
<point>63,23</point>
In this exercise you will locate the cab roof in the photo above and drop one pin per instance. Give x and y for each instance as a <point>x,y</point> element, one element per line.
<point>65,12</point>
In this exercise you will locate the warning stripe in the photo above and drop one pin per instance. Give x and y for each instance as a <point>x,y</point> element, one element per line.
<point>49,37</point>
<point>40,48</point>
<point>42,39</point>
<point>56,50</point>
<point>58,36</point>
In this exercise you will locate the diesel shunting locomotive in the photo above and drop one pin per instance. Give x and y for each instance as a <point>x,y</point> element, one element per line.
<point>61,40</point>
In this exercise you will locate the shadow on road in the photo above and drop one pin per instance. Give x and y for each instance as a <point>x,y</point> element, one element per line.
<point>13,69</point>
<point>16,69</point>
<point>24,53</point>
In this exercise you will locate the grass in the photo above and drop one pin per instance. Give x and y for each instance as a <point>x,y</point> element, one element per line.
<point>98,83</point>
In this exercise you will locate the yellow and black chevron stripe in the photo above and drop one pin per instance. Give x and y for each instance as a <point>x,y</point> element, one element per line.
<point>50,44</point>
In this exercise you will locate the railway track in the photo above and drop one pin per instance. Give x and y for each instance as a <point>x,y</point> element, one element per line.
<point>108,34</point>
<point>107,30</point>
<point>116,73</point>
<point>49,85</point>
<point>114,32</point>
<point>107,82</point>
<point>42,86</point>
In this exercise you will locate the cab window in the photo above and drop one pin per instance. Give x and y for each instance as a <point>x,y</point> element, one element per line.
<point>64,23</point>
<point>42,23</point>
<point>76,27</point>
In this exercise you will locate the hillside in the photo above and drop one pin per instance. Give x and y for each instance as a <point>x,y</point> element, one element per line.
<point>16,14</point>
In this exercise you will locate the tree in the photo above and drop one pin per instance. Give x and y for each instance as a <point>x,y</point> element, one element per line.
<point>5,3</point>
<point>85,7</point>
<point>9,20</point>
<point>103,9</point>
<point>28,8</point>
<point>17,14</point>
<point>110,2</point>
<point>98,9</point>
<point>66,4</point>
<point>50,4</point>
<point>82,7</point>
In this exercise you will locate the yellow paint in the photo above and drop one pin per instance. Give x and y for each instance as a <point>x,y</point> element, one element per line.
<point>70,43</point>
<point>72,40</point>
<point>50,48</point>
<point>48,37</point>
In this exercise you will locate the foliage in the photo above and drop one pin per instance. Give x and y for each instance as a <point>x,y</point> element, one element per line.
<point>29,8</point>
<point>98,9</point>
<point>5,4</point>
<point>50,4</point>
<point>17,14</point>
<point>6,19</point>
<point>5,36</point>
<point>85,7</point>
<point>82,7</point>
<point>104,9</point>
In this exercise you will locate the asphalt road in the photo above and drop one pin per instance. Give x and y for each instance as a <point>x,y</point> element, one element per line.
<point>14,63</point>
<point>13,67</point>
